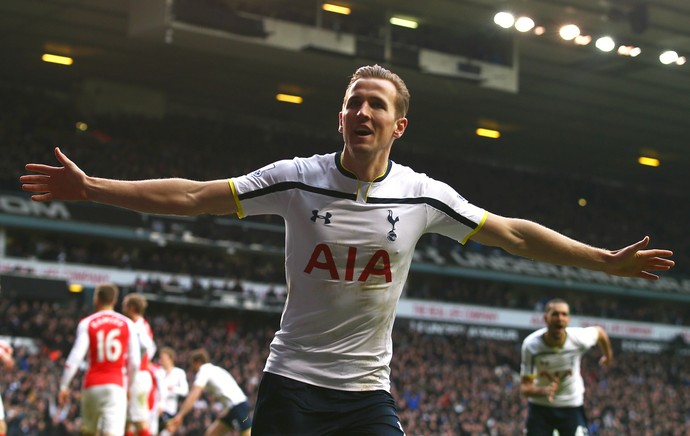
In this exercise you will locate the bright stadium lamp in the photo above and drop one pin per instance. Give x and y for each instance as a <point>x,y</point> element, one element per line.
<point>504,19</point>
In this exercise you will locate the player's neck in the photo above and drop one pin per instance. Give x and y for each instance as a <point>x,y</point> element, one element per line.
<point>554,341</point>
<point>366,167</point>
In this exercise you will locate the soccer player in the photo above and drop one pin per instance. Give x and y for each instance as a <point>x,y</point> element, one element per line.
<point>138,411</point>
<point>352,221</point>
<point>108,339</point>
<point>6,352</point>
<point>156,397</point>
<point>174,383</point>
<point>222,385</point>
<point>550,372</point>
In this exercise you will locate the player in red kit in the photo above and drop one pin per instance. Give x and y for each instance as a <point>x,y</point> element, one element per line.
<point>138,412</point>
<point>108,339</point>
<point>156,396</point>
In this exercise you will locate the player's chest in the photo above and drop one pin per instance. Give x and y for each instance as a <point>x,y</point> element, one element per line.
<point>385,224</point>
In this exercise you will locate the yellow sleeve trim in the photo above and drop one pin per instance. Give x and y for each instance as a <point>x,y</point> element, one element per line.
<point>238,205</point>
<point>478,228</point>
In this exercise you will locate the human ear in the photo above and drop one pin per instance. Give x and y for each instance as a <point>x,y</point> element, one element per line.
<point>400,127</point>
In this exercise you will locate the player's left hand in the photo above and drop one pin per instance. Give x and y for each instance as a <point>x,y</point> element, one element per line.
<point>635,261</point>
<point>173,423</point>
<point>605,361</point>
<point>63,396</point>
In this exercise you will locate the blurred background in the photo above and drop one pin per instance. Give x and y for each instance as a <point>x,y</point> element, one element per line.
<point>583,129</point>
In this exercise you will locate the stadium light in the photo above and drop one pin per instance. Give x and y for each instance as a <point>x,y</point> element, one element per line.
<point>57,59</point>
<point>629,50</point>
<point>524,24</point>
<point>668,57</point>
<point>504,19</point>
<point>569,32</point>
<point>287,98</point>
<point>76,288</point>
<point>582,39</point>
<point>648,161</point>
<point>404,22</point>
<point>488,133</point>
<point>342,10</point>
<point>605,43</point>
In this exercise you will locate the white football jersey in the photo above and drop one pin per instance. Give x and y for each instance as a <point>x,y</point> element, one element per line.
<point>544,362</point>
<point>219,383</point>
<point>174,386</point>
<point>348,249</point>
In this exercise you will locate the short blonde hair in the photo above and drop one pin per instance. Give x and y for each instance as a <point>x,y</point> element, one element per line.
<point>137,302</point>
<point>402,99</point>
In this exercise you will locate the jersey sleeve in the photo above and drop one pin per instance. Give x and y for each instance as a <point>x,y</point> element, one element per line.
<point>146,340</point>
<point>587,336</point>
<point>133,352</point>
<point>76,355</point>
<point>450,214</point>
<point>202,376</point>
<point>527,368</point>
<point>265,191</point>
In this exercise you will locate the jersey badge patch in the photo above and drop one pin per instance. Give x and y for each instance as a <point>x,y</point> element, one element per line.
<point>391,234</point>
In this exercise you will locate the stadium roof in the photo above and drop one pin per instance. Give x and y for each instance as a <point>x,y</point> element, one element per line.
<point>576,111</point>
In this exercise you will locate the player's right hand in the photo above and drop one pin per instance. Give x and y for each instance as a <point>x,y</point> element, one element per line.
<point>173,423</point>
<point>55,183</point>
<point>63,396</point>
<point>550,390</point>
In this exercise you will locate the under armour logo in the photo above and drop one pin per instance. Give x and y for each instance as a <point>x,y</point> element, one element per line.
<point>315,216</point>
<point>391,235</point>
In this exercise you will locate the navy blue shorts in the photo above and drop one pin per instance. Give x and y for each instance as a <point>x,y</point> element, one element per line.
<point>238,417</point>
<point>287,407</point>
<point>569,421</point>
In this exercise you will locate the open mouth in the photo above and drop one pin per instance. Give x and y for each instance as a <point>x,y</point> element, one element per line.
<point>363,131</point>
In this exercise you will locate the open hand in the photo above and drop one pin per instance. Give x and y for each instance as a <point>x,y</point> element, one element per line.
<point>67,182</point>
<point>635,261</point>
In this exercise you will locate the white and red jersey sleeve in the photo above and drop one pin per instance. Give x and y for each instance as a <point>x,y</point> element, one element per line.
<point>157,392</point>
<point>146,342</point>
<point>108,339</point>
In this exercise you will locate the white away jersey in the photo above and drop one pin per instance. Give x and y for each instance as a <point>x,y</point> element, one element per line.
<point>543,362</point>
<point>219,383</point>
<point>348,249</point>
<point>174,386</point>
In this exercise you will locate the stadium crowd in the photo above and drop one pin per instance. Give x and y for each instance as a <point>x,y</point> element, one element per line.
<point>444,384</point>
<point>234,269</point>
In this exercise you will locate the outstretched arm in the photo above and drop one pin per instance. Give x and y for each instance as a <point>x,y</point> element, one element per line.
<point>531,240</point>
<point>186,407</point>
<point>605,345</point>
<point>160,196</point>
